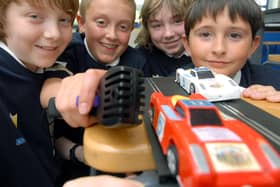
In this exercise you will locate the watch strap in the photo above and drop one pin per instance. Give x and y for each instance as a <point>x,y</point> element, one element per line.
<point>72,154</point>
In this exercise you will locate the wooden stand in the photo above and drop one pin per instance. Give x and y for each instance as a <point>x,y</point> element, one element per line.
<point>118,150</point>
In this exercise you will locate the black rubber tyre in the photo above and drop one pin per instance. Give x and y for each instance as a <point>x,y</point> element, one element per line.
<point>172,160</point>
<point>192,88</point>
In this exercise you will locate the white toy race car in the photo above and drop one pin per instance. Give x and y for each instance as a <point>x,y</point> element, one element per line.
<point>215,87</point>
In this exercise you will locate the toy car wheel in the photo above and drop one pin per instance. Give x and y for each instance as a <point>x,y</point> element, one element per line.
<point>151,113</point>
<point>178,79</point>
<point>192,88</point>
<point>172,160</point>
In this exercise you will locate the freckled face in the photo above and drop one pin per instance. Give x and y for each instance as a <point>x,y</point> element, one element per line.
<point>37,36</point>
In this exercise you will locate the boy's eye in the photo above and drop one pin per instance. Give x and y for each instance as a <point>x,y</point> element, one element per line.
<point>204,35</point>
<point>35,17</point>
<point>155,25</point>
<point>178,20</point>
<point>234,35</point>
<point>124,27</point>
<point>66,21</point>
<point>100,22</point>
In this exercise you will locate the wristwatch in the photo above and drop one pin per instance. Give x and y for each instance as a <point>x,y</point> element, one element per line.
<point>72,154</point>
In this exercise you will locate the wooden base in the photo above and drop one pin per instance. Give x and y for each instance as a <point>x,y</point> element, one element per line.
<point>118,150</point>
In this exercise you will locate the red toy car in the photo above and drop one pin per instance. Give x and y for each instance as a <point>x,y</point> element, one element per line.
<point>203,149</point>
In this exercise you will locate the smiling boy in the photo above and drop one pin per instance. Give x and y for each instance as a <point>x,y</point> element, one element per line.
<point>32,35</point>
<point>159,38</point>
<point>105,27</point>
<point>221,35</point>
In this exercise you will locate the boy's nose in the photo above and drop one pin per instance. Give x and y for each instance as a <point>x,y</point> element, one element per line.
<point>168,31</point>
<point>111,32</point>
<point>219,46</point>
<point>52,31</point>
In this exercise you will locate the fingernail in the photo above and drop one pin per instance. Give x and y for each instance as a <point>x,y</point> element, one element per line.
<point>77,101</point>
<point>83,108</point>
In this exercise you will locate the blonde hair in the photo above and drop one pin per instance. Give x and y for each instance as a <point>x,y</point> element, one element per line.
<point>151,8</point>
<point>69,6</point>
<point>86,3</point>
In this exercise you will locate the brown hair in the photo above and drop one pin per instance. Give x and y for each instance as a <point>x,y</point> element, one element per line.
<point>151,8</point>
<point>86,3</point>
<point>247,10</point>
<point>69,6</point>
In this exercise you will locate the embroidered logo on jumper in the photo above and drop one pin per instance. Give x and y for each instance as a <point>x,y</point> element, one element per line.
<point>14,119</point>
<point>19,140</point>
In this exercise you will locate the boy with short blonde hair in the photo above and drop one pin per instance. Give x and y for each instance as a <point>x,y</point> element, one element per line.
<point>105,27</point>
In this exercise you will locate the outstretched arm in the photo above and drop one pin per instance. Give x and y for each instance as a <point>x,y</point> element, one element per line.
<point>66,91</point>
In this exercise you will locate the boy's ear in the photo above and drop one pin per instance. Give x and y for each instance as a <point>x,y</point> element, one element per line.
<point>81,23</point>
<point>186,44</point>
<point>255,44</point>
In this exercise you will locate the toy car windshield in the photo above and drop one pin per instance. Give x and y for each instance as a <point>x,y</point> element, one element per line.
<point>200,116</point>
<point>204,117</point>
<point>203,74</point>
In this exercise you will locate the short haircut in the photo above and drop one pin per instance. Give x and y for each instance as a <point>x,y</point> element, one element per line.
<point>151,8</point>
<point>69,6</point>
<point>247,10</point>
<point>86,3</point>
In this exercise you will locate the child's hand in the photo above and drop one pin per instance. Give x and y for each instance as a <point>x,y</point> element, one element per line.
<point>261,92</point>
<point>83,85</point>
<point>102,181</point>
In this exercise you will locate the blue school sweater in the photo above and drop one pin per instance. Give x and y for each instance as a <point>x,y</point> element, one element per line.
<point>259,74</point>
<point>76,59</point>
<point>159,64</point>
<point>26,149</point>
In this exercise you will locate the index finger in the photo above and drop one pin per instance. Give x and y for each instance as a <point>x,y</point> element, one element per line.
<point>88,90</point>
